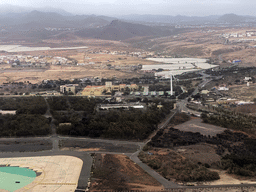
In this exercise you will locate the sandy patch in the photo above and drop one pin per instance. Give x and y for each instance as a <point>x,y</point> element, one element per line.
<point>79,149</point>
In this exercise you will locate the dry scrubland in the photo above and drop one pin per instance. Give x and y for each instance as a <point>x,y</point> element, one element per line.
<point>121,60</point>
<point>247,56</point>
<point>205,43</point>
<point>72,72</point>
<point>195,43</point>
<point>58,72</point>
<point>243,92</point>
<point>119,173</point>
<point>198,43</point>
<point>80,55</point>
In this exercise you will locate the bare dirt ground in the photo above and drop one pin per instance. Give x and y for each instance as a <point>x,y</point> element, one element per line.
<point>243,92</point>
<point>197,43</point>
<point>79,149</point>
<point>247,56</point>
<point>121,60</point>
<point>60,72</point>
<point>119,173</point>
<point>227,179</point>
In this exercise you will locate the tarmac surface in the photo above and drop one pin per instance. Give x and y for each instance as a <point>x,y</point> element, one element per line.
<point>25,144</point>
<point>54,173</point>
<point>84,166</point>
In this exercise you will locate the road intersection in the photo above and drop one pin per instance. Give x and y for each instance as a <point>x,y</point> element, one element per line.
<point>51,146</point>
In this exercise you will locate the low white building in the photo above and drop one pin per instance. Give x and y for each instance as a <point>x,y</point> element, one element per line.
<point>223,89</point>
<point>247,78</point>
<point>13,112</point>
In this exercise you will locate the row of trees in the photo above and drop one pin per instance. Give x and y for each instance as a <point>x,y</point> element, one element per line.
<point>122,124</point>
<point>24,105</point>
<point>241,123</point>
<point>28,120</point>
<point>24,125</point>
<point>72,103</point>
<point>239,165</point>
<point>58,103</point>
<point>243,160</point>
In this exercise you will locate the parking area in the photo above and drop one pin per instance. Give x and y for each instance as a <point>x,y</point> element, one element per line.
<point>196,125</point>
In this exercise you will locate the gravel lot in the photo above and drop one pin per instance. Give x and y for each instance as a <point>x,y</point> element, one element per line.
<point>196,125</point>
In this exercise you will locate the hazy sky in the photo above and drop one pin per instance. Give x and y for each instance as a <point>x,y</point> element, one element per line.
<point>163,7</point>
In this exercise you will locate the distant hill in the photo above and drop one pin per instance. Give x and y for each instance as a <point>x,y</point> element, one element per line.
<point>193,20</point>
<point>41,20</point>
<point>61,24</point>
<point>7,9</point>
<point>232,18</point>
<point>118,30</point>
<point>166,18</point>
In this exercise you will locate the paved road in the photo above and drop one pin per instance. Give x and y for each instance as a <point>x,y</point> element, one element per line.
<point>182,104</point>
<point>134,157</point>
<point>49,115</point>
<point>26,144</point>
<point>55,143</point>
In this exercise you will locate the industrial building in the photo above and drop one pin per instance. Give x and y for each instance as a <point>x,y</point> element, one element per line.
<point>69,88</point>
<point>107,88</point>
<point>120,106</point>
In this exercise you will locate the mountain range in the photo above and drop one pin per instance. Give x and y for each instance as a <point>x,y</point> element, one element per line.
<point>45,20</point>
<point>41,20</point>
<point>11,11</point>
<point>7,9</point>
<point>120,30</point>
